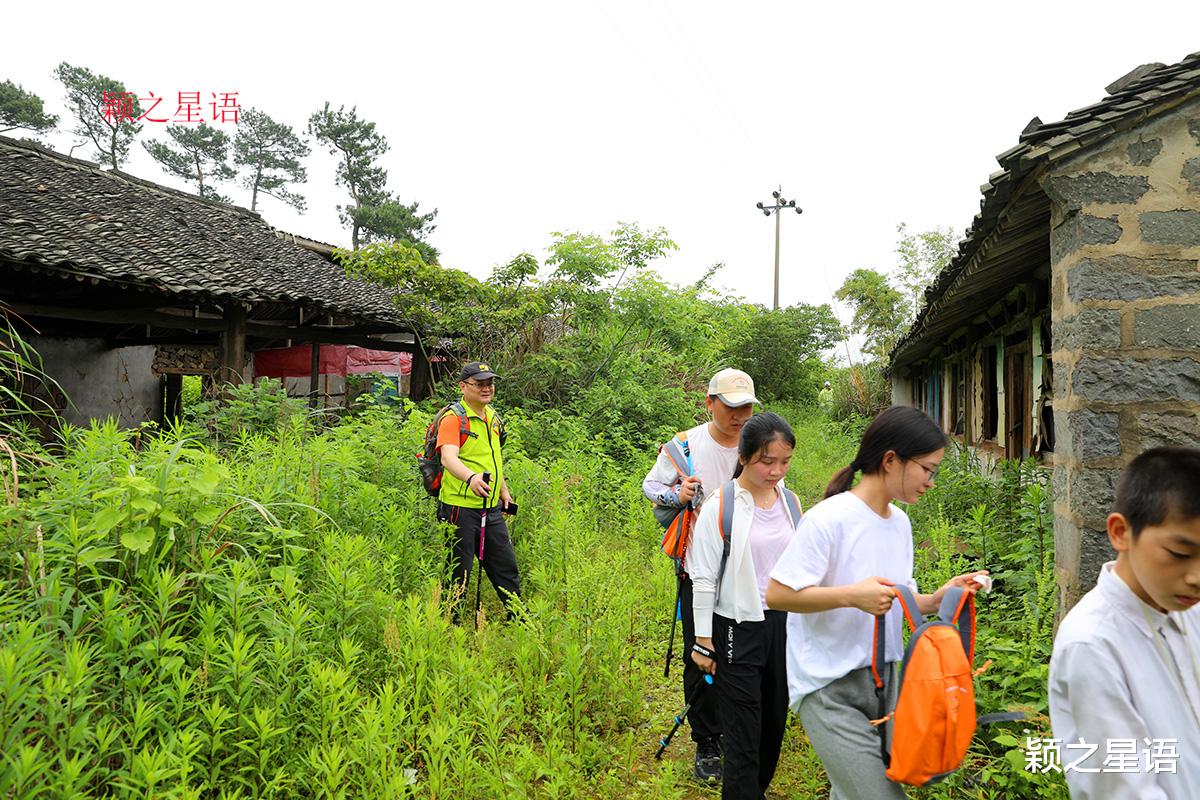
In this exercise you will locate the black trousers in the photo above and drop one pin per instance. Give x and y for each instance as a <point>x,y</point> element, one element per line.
<point>499,560</point>
<point>752,694</point>
<point>703,717</point>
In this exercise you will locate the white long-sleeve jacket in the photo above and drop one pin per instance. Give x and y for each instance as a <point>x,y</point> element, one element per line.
<point>739,599</point>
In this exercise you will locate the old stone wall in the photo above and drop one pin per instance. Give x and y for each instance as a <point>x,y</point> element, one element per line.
<point>1125,299</point>
<point>100,381</point>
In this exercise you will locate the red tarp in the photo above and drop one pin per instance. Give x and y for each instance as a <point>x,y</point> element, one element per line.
<point>336,359</point>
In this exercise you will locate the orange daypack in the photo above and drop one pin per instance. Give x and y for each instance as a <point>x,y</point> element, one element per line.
<point>678,522</point>
<point>934,718</point>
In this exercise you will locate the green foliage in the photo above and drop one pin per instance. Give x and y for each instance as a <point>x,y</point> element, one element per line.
<point>859,392</point>
<point>22,110</point>
<point>782,349</point>
<point>254,607</point>
<point>879,310</point>
<point>1002,522</point>
<point>247,410</point>
<point>389,220</point>
<point>25,389</point>
<point>111,135</point>
<point>600,336</point>
<point>269,622</point>
<point>200,154</point>
<point>885,306</point>
<point>922,256</point>
<point>270,152</point>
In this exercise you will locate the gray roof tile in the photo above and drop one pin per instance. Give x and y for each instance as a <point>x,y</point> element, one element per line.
<point>63,214</point>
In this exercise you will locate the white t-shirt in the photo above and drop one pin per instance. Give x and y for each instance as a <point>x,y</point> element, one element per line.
<point>714,463</point>
<point>1111,686</point>
<point>842,541</point>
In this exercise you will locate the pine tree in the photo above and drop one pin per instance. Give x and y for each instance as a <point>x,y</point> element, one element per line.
<point>271,152</point>
<point>200,157</point>
<point>105,113</point>
<point>22,110</point>
<point>374,213</point>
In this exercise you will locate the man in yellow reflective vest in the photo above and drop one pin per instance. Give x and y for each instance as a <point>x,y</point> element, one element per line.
<point>466,497</point>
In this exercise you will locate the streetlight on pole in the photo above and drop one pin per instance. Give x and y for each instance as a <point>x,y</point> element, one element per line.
<point>780,204</point>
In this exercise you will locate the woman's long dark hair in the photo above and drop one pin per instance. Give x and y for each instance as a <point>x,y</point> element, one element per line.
<point>908,431</point>
<point>758,433</point>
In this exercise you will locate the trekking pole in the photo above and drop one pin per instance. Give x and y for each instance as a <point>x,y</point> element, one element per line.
<point>483,515</point>
<point>682,715</point>
<point>677,612</point>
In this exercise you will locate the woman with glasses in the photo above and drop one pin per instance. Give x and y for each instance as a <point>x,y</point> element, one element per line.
<point>839,573</point>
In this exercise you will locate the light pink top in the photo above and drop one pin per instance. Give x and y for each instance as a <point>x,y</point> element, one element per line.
<point>770,533</point>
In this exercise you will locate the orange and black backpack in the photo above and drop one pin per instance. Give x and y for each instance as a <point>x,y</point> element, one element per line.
<point>934,718</point>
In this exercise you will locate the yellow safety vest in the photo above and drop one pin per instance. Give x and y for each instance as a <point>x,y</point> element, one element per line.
<point>479,453</point>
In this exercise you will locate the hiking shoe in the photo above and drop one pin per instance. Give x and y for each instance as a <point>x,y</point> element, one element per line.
<point>708,760</point>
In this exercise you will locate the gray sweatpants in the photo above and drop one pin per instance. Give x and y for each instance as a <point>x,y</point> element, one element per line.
<point>837,720</point>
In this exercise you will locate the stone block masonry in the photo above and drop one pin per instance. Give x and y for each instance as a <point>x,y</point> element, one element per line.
<point>1125,314</point>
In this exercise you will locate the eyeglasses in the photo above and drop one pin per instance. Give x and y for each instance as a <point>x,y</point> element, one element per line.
<point>932,472</point>
<point>481,384</point>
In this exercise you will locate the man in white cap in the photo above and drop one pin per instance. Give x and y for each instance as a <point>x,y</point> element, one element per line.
<point>712,447</point>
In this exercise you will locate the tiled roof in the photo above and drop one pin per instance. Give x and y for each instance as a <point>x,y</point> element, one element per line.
<point>1149,90</point>
<point>61,214</point>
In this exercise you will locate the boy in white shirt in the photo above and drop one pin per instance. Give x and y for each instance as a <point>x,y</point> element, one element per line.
<point>713,447</point>
<point>1125,672</point>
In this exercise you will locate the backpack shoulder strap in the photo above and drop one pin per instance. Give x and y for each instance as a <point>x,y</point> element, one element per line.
<point>679,454</point>
<point>464,424</point>
<point>725,508</point>
<point>878,664</point>
<point>792,506</point>
<point>954,603</point>
<point>908,603</point>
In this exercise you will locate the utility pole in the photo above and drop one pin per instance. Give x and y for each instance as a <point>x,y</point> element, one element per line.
<point>780,204</point>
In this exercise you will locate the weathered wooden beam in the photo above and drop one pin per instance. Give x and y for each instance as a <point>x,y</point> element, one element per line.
<point>233,345</point>
<point>259,329</point>
<point>420,382</point>
<point>314,375</point>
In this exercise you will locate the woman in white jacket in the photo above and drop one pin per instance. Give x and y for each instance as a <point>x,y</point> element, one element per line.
<point>739,641</point>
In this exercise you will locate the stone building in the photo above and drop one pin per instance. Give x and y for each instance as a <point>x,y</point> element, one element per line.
<point>1067,327</point>
<point>124,286</point>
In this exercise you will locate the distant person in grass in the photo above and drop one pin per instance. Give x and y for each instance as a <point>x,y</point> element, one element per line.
<point>465,497</point>
<point>713,447</point>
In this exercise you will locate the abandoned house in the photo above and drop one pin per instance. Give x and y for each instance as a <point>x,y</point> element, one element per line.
<point>1067,327</point>
<point>124,286</point>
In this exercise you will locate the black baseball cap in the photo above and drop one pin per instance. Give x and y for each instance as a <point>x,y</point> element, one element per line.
<point>477,370</point>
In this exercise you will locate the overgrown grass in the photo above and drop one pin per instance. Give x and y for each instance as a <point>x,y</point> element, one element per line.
<point>256,610</point>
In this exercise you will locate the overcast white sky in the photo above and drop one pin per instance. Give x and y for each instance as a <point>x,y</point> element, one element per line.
<point>518,119</point>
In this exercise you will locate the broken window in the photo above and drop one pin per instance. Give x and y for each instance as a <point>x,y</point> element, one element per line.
<point>991,406</point>
<point>1018,399</point>
<point>958,398</point>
